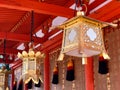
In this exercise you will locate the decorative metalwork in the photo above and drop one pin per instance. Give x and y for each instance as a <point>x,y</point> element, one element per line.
<point>108,81</point>
<point>83,37</point>
<point>31,60</point>
<point>4,74</point>
<point>31,65</point>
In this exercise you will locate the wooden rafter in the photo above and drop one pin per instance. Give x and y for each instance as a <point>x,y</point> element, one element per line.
<point>7,61</point>
<point>51,42</point>
<point>19,37</point>
<point>10,51</point>
<point>103,11</point>
<point>38,7</point>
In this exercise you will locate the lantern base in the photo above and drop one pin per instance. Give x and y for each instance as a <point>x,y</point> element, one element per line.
<point>84,53</point>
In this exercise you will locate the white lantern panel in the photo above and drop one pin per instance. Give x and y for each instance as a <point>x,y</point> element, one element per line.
<point>25,66</point>
<point>32,66</point>
<point>91,34</point>
<point>72,35</point>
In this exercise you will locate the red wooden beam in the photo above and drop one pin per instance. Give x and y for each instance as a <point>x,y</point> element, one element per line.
<point>19,37</point>
<point>38,7</point>
<point>7,61</point>
<point>10,51</point>
<point>54,46</point>
<point>114,18</point>
<point>114,12</point>
<point>95,4</point>
<point>51,42</point>
<point>16,64</point>
<point>103,11</point>
<point>53,32</point>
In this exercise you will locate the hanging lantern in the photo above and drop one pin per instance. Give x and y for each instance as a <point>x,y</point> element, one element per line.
<point>31,59</point>
<point>31,65</point>
<point>4,73</point>
<point>82,37</point>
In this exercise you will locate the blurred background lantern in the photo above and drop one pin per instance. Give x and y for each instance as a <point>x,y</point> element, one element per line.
<point>4,74</point>
<point>4,71</point>
<point>31,60</point>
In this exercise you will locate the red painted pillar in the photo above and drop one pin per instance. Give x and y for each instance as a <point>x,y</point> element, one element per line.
<point>89,74</point>
<point>46,72</point>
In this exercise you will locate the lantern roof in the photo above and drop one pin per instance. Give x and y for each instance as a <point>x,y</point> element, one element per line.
<point>81,18</point>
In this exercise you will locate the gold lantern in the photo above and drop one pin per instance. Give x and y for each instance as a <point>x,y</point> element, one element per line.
<point>31,65</point>
<point>82,37</point>
<point>31,59</point>
<point>4,74</point>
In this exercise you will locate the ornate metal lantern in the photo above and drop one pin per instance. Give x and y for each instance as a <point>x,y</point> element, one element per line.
<point>82,37</point>
<point>31,60</point>
<point>31,65</point>
<point>4,74</point>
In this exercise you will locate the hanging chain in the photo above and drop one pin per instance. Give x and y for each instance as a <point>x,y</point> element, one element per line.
<point>32,26</point>
<point>73,85</point>
<point>4,51</point>
<point>108,82</point>
<point>55,87</point>
<point>63,75</point>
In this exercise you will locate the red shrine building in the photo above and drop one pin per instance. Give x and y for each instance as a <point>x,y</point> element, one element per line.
<point>59,44</point>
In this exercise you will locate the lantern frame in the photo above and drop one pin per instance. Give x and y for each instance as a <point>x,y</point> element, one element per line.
<point>82,42</point>
<point>4,73</point>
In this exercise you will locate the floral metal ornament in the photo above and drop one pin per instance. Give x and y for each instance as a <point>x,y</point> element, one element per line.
<point>31,65</point>
<point>83,37</point>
